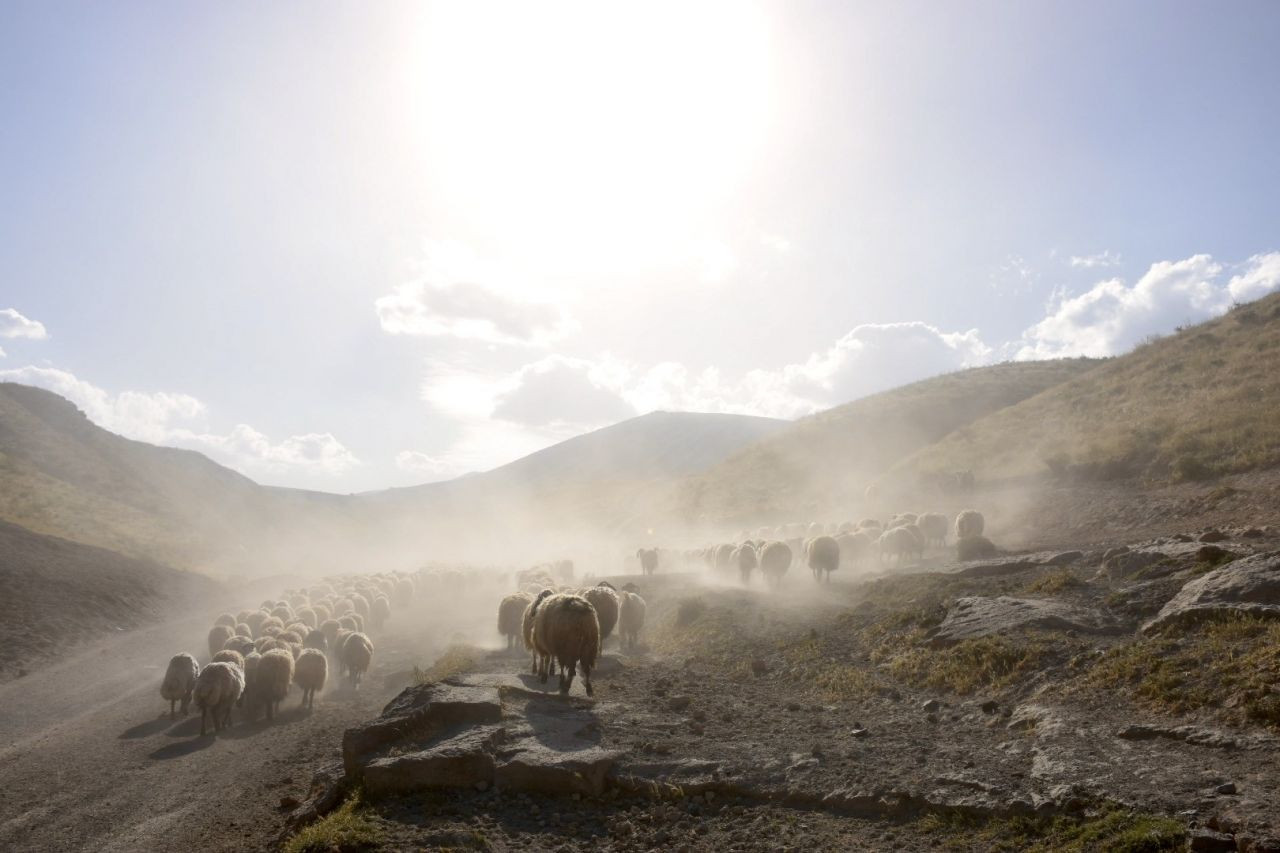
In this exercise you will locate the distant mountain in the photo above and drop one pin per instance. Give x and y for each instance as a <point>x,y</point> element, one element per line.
<point>828,459</point>
<point>1193,405</point>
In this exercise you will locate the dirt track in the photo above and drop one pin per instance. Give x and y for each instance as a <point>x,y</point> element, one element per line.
<point>91,761</point>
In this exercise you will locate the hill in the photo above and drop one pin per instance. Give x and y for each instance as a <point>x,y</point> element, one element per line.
<point>1194,405</point>
<point>828,459</point>
<point>59,593</point>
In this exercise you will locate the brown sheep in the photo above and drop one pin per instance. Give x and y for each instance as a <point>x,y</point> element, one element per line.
<point>218,636</point>
<point>775,560</point>
<point>309,673</point>
<point>604,598</point>
<point>631,619</point>
<point>511,615</point>
<point>823,553</point>
<point>648,560</point>
<point>274,675</point>
<point>566,629</point>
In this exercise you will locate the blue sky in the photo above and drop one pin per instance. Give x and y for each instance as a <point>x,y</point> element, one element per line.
<point>346,246</point>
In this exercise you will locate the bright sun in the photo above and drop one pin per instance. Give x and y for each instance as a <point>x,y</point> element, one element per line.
<point>596,121</point>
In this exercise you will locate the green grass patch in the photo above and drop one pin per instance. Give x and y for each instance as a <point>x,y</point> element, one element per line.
<point>346,828</point>
<point>1226,665</point>
<point>1113,829</point>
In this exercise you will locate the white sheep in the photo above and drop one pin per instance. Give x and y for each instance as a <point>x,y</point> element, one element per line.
<point>934,526</point>
<point>271,684</point>
<point>357,654</point>
<point>179,680</point>
<point>969,523</point>
<point>217,689</point>
<point>310,672</point>
<point>775,560</point>
<point>631,619</point>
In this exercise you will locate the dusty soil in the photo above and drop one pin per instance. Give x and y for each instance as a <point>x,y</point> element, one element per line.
<point>92,761</point>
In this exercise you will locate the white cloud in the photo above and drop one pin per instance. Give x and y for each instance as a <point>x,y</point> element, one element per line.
<point>1261,276</point>
<point>1106,258</point>
<point>456,294</point>
<point>1112,316</point>
<point>167,418</point>
<point>564,392</point>
<point>14,325</point>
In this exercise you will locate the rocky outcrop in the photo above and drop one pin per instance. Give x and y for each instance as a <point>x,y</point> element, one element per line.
<point>977,616</point>
<point>1250,585</point>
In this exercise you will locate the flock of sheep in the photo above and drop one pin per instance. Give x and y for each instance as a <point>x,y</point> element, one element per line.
<point>825,548</point>
<point>564,626</point>
<point>256,656</point>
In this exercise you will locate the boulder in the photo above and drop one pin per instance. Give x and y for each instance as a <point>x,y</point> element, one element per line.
<point>1249,585</point>
<point>1213,536</point>
<point>535,767</point>
<point>460,761</point>
<point>1128,563</point>
<point>418,715</point>
<point>979,616</point>
<point>1064,558</point>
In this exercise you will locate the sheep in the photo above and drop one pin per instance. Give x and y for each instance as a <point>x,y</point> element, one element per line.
<point>855,546</point>
<point>898,542</point>
<point>361,605</point>
<point>775,560</point>
<point>230,656</point>
<point>251,662</point>
<point>226,619</point>
<point>217,689</point>
<point>179,681</point>
<point>309,673</point>
<point>969,523</point>
<point>254,621</point>
<point>823,555</point>
<point>289,637</point>
<point>630,619</point>
<point>380,612</point>
<point>343,607</point>
<point>744,557</point>
<point>348,621</point>
<point>322,612</point>
<point>269,625</point>
<point>871,524</point>
<point>330,629</point>
<point>357,653</point>
<point>284,613</point>
<point>274,675</point>
<point>510,614</point>
<point>604,598</point>
<point>648,560</point>
<point>238,643</point>
<point>526,627</point>
<point>902,519</point>
<point>975,548</point>
<point>934,526</point>
<point>814,530</point>
<point>566,629</point>
<point>723,557</point>
<point>307,616</point>
<point>357,619</point>
<point>218,636</point>
<point>404,592</point>
<point>316,640</point>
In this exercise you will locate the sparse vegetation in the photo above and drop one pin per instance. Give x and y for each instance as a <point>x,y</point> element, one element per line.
<point>456,660</point>
<point>1229,666</point>
<point>1055,582</point>
<point>1111,828</point>
<point>970,665</point>
<point>347,828</point>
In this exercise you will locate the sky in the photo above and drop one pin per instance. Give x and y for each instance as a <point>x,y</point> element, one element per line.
<point>348,246</point>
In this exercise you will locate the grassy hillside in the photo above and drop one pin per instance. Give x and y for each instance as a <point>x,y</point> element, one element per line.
<point>59,593</point>
<point>831,457</point>
<point>1193,405</point>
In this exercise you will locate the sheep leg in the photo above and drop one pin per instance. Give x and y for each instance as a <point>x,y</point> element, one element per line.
<point>586,679</point>
<point>172,712</point>
<point>204,715</point>
<point>186,703</point>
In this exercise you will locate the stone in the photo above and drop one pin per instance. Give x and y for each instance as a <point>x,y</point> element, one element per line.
<point>1211,553</point>
<point>1227,788</point>
<point>990,706</point>
<point>1129,563</point>
<point>289,803</point>
<point>417,714</point>
<point>678,703</point>
<point>1253,533</point>
<point>1114,552</point>
<point>931,706</point>
<point>1204,840</point>
<point>1250,585</point>
<point>1213,536</point>
<point>465,760</point>
<point>1064,558</point>
<point>979,616</point>
<point>535,767</point>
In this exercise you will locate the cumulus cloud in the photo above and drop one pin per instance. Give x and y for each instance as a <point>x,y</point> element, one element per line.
<point>1112,316</point>
<point>14,325</point>
<point>563,391</point>
<point>175,419</point>
<point>455,293</point>
<point>1105,258</point>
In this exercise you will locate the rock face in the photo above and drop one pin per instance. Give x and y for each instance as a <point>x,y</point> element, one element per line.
<point>977,616</point>
<point>475,731</point>
<point>1129,563</point>
<point>1250,585</point>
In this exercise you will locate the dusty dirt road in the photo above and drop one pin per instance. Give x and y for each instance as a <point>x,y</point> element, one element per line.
<point>90,760</point>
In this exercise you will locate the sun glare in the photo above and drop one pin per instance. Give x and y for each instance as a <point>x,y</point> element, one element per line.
<point>593,123</point>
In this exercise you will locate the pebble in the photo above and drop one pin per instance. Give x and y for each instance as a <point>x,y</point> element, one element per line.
<point>1228,788</point>
<point>931,705</point>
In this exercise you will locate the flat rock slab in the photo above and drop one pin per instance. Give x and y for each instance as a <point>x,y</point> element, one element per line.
<point>979,616</point>
<point>457,762</point>
<point>417,715</point>
<point>998,566</point>
<point>1250,585</point>
<point>536,767</point>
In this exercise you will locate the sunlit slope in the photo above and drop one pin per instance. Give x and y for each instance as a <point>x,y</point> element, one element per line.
<point>61,474</point>
<point>1198,403</point>
<point>828,459</point>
